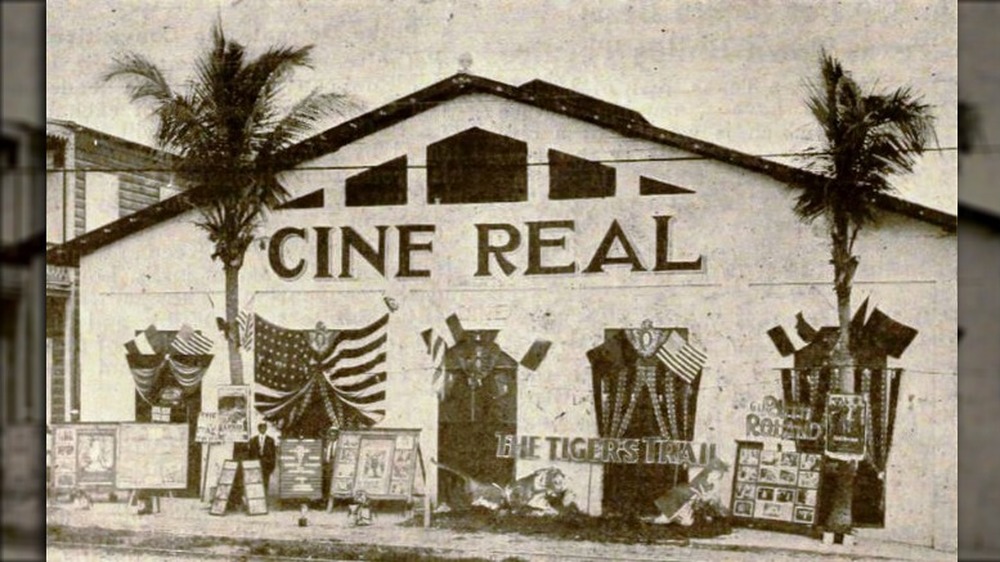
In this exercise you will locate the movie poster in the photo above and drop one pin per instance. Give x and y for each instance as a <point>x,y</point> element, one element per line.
<point>234,414</point>
<point>96,454</point>
<point>846,430</point>
<point>374,465</point>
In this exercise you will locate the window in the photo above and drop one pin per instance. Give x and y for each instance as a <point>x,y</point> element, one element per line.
<point>55,198</point>
<point>572,177</point>
<point>477,166</point>
<point>379,186</point>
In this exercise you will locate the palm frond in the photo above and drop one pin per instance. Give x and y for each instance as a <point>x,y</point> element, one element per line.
<point>869,138</point>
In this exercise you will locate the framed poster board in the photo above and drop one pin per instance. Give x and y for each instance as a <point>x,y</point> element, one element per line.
<point>382,462</point>
<point>85,455</point>
<point>234,413</point>
<point>300,469</point>
<point>777,490</point>
<point>152,456</point>
<point>227,476</point>
<point>846,427</point>
<point>253,485</point>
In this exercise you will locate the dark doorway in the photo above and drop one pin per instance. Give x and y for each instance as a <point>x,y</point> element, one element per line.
<point>479,401</point>
<point>631,489</point>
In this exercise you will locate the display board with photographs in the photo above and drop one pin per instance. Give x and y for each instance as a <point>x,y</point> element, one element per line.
<point>380,462</point>
<point>84,455</point>
<point>224,487</point>
<point>778,489</point>
<point>253,486</point>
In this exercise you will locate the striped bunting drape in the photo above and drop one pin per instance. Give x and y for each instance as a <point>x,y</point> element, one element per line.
<point>157,358</point>
<point>341,379</point>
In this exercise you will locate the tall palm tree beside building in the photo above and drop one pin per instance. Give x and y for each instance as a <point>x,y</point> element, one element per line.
<point>868,137</point>
<point>228,127</point>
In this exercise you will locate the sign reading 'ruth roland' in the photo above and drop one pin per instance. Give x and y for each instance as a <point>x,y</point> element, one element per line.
<point>498,244</point>
<point>604,450</point>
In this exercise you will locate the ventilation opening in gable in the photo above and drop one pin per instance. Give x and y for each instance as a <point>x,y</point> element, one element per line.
<point>572,177</point>
<point>381,186</point>
<point>477,166</point>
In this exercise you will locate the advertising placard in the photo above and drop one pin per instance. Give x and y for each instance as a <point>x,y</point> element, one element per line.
<point>234,413</point>
<point>152,456</point>
<point>846,427</point>
<point>300,469</point>
<point>381,462</point>
<point>84,455</point>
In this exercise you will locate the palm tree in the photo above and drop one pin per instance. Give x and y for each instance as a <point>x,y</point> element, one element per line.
<point>867,139</point>
<point>230,134</point>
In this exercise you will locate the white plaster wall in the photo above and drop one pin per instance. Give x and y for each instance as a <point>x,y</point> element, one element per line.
<point>761,267</point>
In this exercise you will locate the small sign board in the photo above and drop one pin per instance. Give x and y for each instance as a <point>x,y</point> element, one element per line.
<point>778,490</point>
<point>300,469</point>
<point>382,462</point>
<point>253,486</point>
<point>227,476</point>
<point>207,430</point>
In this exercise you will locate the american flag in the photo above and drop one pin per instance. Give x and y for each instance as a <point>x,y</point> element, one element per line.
<point>190,342</point>
<point>347,377</point>
<point>682,358</point>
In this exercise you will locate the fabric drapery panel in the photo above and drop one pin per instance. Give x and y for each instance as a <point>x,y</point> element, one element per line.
<point>621,378</point>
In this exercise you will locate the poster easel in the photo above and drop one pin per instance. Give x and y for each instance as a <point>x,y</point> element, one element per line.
<point>224,488</point>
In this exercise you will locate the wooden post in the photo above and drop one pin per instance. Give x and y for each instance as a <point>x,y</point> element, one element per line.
<point>204,472</point>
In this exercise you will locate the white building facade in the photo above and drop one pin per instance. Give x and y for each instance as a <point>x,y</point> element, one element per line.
<point>546,216</point>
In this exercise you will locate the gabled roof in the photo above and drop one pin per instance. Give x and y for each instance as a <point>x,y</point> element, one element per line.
<point>53,126</point>
<point>536,93</point>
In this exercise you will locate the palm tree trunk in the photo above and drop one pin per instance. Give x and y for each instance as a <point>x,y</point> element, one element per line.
<point>232,326</point>
<point>842,473</point>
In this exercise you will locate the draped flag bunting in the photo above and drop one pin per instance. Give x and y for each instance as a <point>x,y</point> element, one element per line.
<point>158,358</point>
<point>439,339</point>
<point>682,357</point>
<point>341,370</point>
<point>189,342</point>
<point>661,364</point>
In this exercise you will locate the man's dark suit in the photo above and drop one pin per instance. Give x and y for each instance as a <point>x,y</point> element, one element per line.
<point>266,455</point>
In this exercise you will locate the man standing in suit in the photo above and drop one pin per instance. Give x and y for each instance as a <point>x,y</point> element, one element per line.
<point>262,449</point>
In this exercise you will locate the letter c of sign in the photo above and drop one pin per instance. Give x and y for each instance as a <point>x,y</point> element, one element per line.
<point>274,253</point>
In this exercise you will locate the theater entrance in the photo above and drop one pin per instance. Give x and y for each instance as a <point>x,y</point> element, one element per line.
<point>479,400</point>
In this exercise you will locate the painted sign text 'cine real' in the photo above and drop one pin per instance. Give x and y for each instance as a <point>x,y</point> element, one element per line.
<point>496,244</point>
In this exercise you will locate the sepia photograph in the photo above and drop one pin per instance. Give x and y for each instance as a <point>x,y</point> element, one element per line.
<point>524,271</point>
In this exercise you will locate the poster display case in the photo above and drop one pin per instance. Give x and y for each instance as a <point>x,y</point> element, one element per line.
<point>380,462</point>
<point>775,489</point>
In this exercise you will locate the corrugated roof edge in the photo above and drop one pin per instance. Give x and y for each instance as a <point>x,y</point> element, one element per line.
<point>578,106</point>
